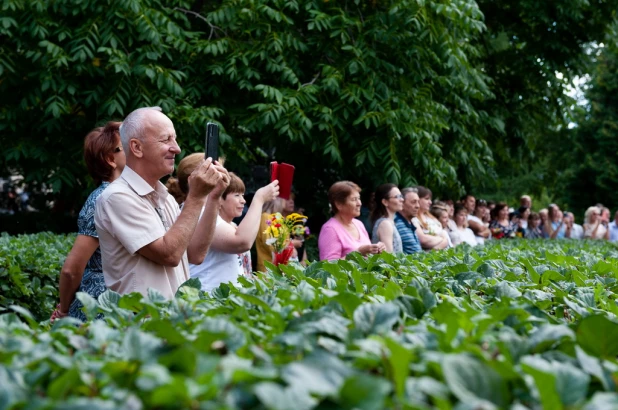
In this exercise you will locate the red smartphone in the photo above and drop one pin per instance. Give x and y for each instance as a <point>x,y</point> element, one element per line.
<point>274,171</point>
<point>285,174</point>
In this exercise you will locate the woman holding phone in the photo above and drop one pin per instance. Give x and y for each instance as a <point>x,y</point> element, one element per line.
<point>228,256</point>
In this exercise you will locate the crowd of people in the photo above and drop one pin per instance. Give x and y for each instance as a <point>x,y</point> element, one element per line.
<point>409,221</point>
<point>134,233</point>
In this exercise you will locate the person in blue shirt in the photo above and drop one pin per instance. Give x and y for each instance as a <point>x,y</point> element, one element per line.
<point>406,229</point>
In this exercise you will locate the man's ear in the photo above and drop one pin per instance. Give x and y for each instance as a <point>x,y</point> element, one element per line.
<point>136,146</point>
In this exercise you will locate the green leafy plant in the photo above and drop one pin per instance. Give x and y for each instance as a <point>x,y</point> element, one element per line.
<point>29,270</point>
<point>517,324</point>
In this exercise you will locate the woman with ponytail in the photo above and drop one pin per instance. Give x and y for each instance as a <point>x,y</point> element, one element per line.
<point>387,201</point>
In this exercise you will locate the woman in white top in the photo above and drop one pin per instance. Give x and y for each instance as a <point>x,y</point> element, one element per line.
<point>228,256</point>
<point>427,223</point>
<point>461,220</point>
<point>594,227</point>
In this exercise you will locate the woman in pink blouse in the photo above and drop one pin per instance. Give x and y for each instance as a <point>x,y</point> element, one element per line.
<point>343,233</point>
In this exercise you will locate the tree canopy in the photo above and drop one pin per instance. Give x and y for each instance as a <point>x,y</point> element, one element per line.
<point>408,91</point>
<point>589,171</point>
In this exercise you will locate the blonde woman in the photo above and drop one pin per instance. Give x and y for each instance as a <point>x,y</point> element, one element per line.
<point>594,227</point>
<point>428,227</point>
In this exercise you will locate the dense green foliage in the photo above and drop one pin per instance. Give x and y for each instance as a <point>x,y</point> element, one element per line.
<point>588,159</point>
<point>369,86</point>
<point>534,49</point>
<point>399,90</point>
<point>520,325</point>
<point>29,270</point>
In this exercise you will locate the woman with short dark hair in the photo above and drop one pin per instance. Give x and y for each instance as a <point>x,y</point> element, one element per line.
<point>500,225</point>
<point>465,234</point>
<point>343,233</point>
<point>228,257</point>
<point>82,270</point>
<point>524,214</point>
<point>534,231</point>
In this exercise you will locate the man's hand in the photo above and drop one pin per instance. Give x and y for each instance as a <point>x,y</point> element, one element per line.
<point>203,180</point>
<point>268,192</point>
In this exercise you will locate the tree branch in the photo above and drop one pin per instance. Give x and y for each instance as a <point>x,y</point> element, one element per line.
<point>199,16</point>
<point>312,81</point>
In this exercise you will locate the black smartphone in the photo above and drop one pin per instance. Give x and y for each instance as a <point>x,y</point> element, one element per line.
<point>211,147</point>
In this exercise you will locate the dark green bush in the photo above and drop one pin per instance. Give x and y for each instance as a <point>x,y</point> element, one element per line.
<point>29,270</point>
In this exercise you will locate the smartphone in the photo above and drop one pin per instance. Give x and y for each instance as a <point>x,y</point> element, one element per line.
<point>211,145</point>
<point>285,174</point>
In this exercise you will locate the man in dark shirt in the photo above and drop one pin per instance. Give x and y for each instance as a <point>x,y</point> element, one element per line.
<point>403,219</point>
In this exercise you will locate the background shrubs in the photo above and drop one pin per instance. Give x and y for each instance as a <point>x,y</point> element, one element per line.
<point>29,269</point>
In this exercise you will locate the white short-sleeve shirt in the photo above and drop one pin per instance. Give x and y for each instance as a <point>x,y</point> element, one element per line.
<point>479,239</point>
<point>129,215</point>
<point>218,267</point>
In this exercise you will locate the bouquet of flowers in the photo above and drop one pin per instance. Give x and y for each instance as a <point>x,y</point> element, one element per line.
<point>497,233</point>
<point>500,233</point>
<point>280,232</point>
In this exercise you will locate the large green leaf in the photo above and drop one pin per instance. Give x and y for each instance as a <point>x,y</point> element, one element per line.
<point>473,381</point>
<point>274,396</point>
<point>598,336</point>
<point>320,374</point>
<point>364,392</point>
<point>558,384</point>
<point>376,318</point>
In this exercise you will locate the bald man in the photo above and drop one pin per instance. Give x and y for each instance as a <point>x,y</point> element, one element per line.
<point>146,240</point>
